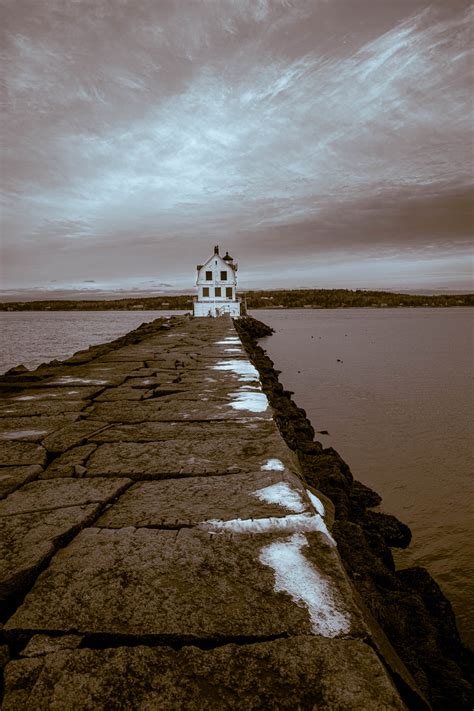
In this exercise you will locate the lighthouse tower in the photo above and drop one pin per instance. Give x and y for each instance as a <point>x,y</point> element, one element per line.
<point>217,287</point>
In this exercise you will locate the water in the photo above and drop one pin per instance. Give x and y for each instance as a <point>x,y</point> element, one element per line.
<point>398,407</point>
<point>35,337</point>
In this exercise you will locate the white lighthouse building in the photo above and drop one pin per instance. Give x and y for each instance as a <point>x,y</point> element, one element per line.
<point>217,287</point>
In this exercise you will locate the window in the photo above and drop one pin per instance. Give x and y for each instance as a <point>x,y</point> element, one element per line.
<point>223,276</point>
<point>218,290</point>
<point>228,292</point>
<point>205,291</point>
<point>208,276</point>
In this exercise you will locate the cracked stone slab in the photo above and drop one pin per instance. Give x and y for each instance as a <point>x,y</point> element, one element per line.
<point>134,358</point>
<point>183,455</point>
<point>48,393</point>
<point>144,373</point>
<point>46,495</point>
<point>72,435</point>
<point>13,453</point>
<point>175,503</point>
<point>32,429</point>
<point>157,431</point>
<point>27,541</point>
<point>11,478</point>
<point>161,409</point>
<point>296,673</point>
<point>99,377</point>
<point>69,464</point>
<point>121,393</point>
<point>41,407</point>
<point>152,382</point>
<point>41,644</point>
<point>185,585</point>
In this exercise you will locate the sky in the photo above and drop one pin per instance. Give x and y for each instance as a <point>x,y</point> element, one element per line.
<point>324,143</point>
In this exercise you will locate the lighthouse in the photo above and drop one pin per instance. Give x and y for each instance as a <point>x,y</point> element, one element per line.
<point>217,287</point>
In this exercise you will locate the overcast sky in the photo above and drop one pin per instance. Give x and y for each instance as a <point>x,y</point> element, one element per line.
<point>324,144</point>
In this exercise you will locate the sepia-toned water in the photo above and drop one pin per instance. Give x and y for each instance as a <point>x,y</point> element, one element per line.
<point>35,337</point>
<point>393,387</point>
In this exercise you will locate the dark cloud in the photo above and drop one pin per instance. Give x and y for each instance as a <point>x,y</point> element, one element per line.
<point>140,133</point>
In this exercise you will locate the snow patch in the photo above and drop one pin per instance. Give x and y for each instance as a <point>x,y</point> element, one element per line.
<point>274,524</point>
<point>18,434</point>
<point>43,396</point>
<point>229,339</point>
<point>233,350</point>
<point>317,503</point>
<point>249,400</point>
<point>295,575</point>
<point>243,368</point>
<point>69,379</point>
<point>283,495</point>
<point>273,465</point>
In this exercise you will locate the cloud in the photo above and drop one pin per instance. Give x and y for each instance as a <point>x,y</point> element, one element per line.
<point>145,129</point>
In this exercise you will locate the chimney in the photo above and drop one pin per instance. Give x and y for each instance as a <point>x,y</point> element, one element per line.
<point>216,249</point>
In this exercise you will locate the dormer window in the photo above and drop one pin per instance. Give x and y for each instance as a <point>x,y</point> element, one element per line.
<point>208,276</point>
<point>223,276</point>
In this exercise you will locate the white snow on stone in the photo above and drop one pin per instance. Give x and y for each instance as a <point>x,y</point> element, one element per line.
<point>322,528</point>
<point>273,465</point>
<point>43,396</point>
<point>295,575</point>
<point>285,496</point>
<point>274,524</point>
<point>233,350</point>
<point>229,339</point>
<point>70,379</point>
<point>243,368</point>
<point>282,494</point>
<point>249,400</point>
<point>19,434</point>
<point>317,503</point>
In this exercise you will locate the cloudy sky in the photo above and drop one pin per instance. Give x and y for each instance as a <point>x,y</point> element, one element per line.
<point>325,143</point>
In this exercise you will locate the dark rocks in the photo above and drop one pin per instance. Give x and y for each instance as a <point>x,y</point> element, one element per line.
<point>395,534</point>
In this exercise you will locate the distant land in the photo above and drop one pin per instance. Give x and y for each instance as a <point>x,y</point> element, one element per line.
<point>277,299</point>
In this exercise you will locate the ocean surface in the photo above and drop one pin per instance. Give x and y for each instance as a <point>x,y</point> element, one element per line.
<point>35,337</point>
<point>393,387</point>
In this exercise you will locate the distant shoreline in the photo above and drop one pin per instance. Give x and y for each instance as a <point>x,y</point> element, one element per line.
<point>278,299</point>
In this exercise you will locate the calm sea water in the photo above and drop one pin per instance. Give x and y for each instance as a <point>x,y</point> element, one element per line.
<point>394,389</point>
<point>392,386</point>
<point>35,337</point>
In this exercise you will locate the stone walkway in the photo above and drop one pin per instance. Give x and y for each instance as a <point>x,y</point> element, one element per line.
<point>158,548</point>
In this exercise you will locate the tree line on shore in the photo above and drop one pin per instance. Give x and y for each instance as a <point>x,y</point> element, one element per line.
<point>282,299</point>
